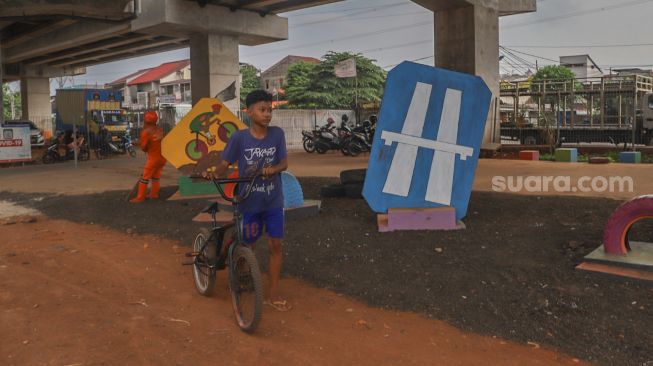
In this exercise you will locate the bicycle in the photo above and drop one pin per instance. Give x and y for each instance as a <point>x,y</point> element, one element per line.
<point>210,254</point>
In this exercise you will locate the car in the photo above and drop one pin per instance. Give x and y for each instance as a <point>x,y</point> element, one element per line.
<point>36,135</point>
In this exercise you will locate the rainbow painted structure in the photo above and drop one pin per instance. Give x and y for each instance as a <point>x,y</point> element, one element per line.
<point>619,255</point>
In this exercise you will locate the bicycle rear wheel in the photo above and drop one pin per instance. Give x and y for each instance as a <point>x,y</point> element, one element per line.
<point>203,275</point>
<point>246,289</point>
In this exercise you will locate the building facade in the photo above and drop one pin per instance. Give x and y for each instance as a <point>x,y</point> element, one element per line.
<point>275,77</point>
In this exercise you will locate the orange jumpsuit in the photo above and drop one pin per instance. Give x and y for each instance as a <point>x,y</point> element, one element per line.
<point>150,142</point>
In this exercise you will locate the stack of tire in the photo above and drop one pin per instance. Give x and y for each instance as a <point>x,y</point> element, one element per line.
<point>351,185</point>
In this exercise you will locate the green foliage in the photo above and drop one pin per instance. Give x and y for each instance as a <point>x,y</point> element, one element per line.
<point>251,81</point>
<point>298,88</point>
<point>556,77</point>
<point>8,97</point>
<point>316,86</point>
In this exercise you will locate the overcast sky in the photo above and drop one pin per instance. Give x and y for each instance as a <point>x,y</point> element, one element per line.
<point>615,33</point>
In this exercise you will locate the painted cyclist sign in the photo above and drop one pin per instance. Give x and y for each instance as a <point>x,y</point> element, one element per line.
<point>194,145</point>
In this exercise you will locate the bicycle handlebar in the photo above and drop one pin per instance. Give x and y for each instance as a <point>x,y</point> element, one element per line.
<point>235,199</point>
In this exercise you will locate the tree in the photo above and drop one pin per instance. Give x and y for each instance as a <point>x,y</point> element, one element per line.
<point>11,99</point>
<point>316,84</point>
<point>298,85</point>
<point>549,81</point>
<point>250,82</point>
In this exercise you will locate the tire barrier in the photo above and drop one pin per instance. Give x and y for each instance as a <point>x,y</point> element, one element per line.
<point>615,235</point>
<point>351,185</point>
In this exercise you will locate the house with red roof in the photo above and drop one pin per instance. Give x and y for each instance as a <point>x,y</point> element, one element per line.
<point>168,83</point>
<point>274,78</point>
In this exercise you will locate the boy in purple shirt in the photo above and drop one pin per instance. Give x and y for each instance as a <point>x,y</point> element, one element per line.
<point>261,148</point>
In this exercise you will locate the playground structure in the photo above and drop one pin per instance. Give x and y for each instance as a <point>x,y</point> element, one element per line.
<point>619,255</point>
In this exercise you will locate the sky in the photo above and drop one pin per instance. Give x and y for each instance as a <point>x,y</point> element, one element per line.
<point>615,33</point>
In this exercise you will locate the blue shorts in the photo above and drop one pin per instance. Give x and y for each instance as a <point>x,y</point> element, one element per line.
<point>253,224</point>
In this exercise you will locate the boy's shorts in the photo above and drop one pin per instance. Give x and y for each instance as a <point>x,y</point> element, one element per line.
<point>253,224</point>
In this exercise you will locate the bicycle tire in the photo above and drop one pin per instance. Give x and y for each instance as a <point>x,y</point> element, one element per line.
<point>203,276</point>
<point>245,278</point>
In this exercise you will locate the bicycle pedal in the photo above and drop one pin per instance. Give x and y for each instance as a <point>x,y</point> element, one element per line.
<point>192,254</point>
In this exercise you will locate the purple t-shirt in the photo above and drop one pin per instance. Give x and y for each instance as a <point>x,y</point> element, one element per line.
<point>253,155</point>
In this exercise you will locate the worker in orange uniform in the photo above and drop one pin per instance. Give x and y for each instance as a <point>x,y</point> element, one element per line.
<point>150,142</point>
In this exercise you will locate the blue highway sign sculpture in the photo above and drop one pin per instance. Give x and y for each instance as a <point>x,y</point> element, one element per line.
<point>427,140</point>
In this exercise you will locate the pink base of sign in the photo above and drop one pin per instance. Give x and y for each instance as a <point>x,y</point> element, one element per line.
<point>439,218</point>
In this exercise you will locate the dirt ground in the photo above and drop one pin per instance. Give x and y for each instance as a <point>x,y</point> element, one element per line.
<point>98,281</point>
<point>119,299</point>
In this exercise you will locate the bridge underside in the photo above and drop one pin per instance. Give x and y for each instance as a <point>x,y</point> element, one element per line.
<point>48,38</point>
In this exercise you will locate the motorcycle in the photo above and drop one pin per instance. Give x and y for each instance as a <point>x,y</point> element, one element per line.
<point>124,146</point>
<point>52,155</point>
<point>331,138</point>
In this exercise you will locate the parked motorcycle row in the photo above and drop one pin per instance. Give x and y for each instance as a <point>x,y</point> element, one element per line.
<point>121,147</point>
<point>62,147</point>
<point>350,141</point>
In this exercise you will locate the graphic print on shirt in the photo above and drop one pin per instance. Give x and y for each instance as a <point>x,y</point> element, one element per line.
<point>257,159</point>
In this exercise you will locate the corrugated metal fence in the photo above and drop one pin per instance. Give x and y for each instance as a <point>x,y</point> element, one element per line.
<point>293,121</point>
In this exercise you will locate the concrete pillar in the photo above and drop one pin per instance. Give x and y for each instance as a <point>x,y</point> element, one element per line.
<point>466,40</point>
<point>35,96</point>
<point>214,67</point>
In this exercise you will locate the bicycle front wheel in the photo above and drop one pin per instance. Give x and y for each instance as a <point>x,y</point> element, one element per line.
<point>246,289</point>
<point>203,275</point>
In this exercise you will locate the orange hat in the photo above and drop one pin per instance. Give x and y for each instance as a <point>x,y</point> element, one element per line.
<point>150,118</point>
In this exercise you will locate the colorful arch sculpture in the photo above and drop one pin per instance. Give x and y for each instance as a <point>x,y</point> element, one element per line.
<point>615,235</point>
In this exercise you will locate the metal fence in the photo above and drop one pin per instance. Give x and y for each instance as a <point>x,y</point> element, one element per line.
<point>609,109</point>
<point>293,121</point>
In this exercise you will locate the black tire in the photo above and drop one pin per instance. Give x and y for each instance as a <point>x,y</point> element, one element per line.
<point>131,151</point>
<point>333,190</point>
<point>246,289</point>
<point>309,146</point>
<point>84,155</point>
<point>101,154</point>
<point>354,148</point>
<point>353,176</point>
<point>50,157</point>
<point>354,190</point>
<point>321,149</point>
<point>203,276</point>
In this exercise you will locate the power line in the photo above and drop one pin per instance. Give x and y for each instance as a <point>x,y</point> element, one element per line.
<point>360,35</point>
<point>342,16</point>
<point>587,45</point>
<point>578,13</point>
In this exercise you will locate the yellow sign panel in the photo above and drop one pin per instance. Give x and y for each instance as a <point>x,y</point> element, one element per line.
<point>194,145</point>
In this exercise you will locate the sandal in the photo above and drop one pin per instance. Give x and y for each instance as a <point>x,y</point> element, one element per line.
<point>279,305</point>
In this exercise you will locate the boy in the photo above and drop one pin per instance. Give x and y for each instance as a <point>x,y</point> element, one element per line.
<point>261,148</point>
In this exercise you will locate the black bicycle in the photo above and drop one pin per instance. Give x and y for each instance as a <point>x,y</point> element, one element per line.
<point>217,248</point>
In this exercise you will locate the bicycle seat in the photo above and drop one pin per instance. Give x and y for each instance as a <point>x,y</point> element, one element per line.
<point>212,208</point>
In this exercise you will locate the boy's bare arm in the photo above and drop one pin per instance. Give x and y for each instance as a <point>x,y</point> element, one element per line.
<point>272,170</point>
<point>219,171</point>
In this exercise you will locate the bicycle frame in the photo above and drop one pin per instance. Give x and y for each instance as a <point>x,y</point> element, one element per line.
<point>218,232</point>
